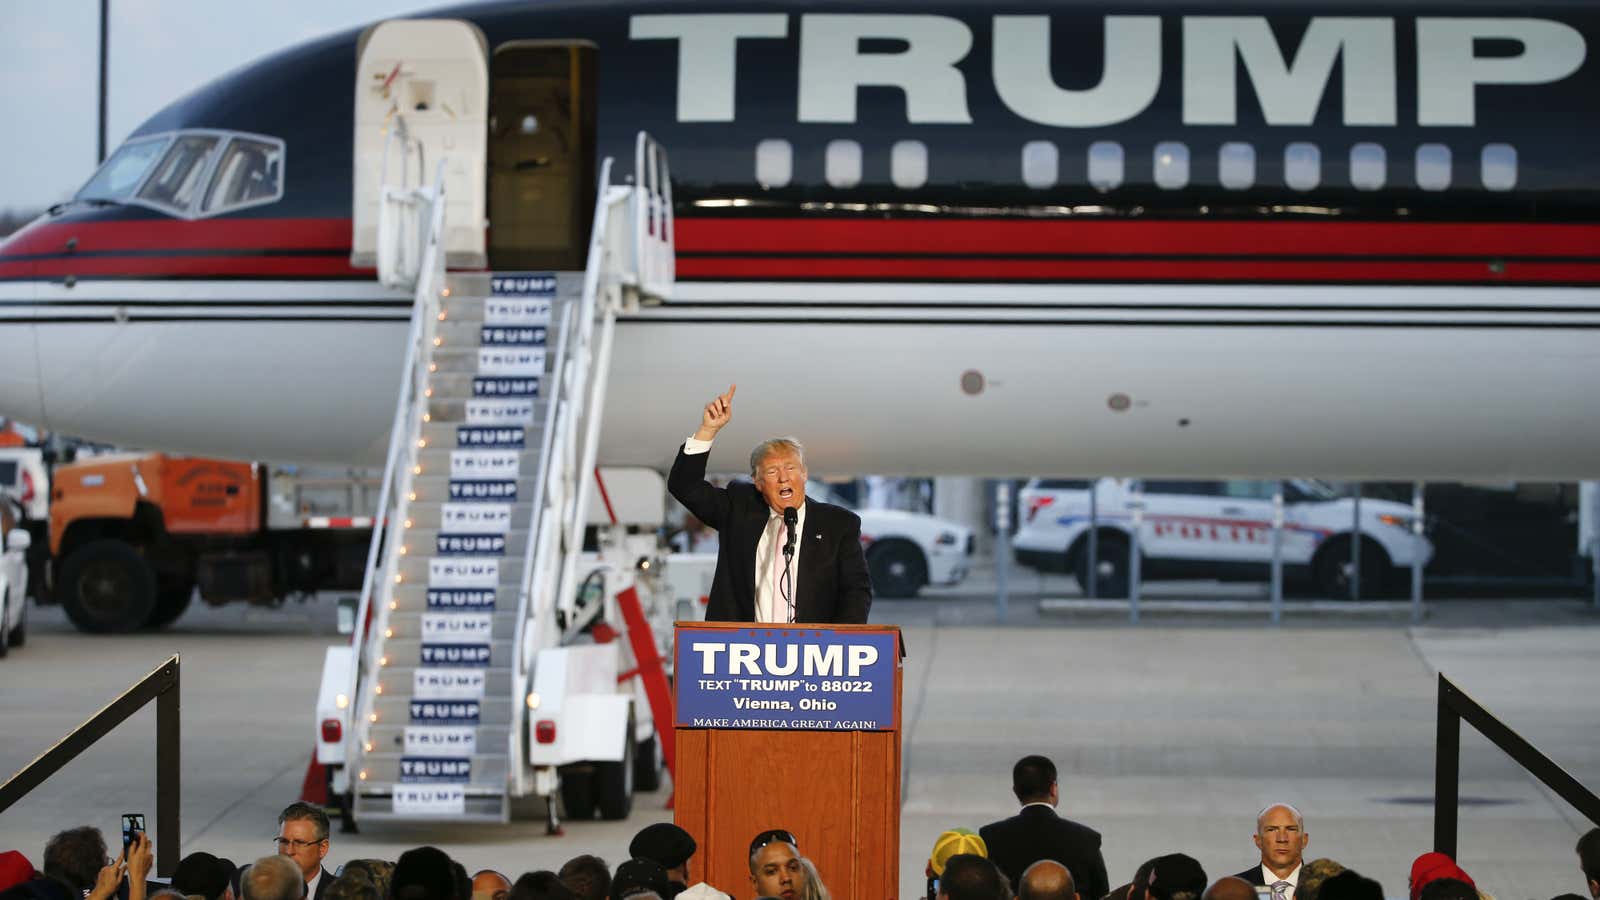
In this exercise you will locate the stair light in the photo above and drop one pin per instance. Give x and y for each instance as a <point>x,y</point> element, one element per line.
<point>388,632</point>
<point>438,341</point>
<point>394,604</point>
<point>413,495</point>
<point>433,367</point>
<point>369,746</point>
<point>404,550</point>
<point>398,578</point>
<point>383,660</point>
<point>363,774</point>
<point>445,292</point>
<point>427,417</point>
<point>427,392</point>
<point>533,700</point>
<point>372,718</point>
<point>416,470</point>
<point>377,689</point>
<point>441,315</point>
<point>341,701</point>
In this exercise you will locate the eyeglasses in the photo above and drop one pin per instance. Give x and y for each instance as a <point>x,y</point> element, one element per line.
<point>771,835</point>
<point>292,844</point>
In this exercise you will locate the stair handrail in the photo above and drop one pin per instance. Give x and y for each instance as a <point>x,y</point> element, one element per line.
<point>424,300</point>
<point>654,246</point>
<point>1454,706</point>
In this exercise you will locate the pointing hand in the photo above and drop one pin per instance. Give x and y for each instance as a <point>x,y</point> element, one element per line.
<point>716,414</point>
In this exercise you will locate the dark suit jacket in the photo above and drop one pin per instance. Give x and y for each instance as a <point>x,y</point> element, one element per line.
<point>1253,875</point>
<point>831,580</point>
<point>1038,833</point>
<point>322,883</point>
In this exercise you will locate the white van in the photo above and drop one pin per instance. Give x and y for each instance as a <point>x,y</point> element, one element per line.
<point>1214,529</point>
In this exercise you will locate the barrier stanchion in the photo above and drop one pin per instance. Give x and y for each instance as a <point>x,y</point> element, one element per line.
<point>1002,552</point>
<point>1277,552</point>
<point>1416,552</point>
<point>1134,555</point>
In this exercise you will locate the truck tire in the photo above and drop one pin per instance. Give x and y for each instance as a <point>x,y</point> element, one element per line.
<point>1331,567</point>
<point>897,568</point>
<point>577,794</point>
<point>171,601</point>
<point>647,764</point>
<point>5,633</point>
<point>613,781</point>
<point>107,587</point>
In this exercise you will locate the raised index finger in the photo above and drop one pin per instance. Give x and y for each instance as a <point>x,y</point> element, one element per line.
<point>731,389</point>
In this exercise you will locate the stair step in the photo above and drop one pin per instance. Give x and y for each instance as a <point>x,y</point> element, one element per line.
<point>458,335</point>
<point>471,360</point>
<point>568,284</point>
<point>524,411</point>
<point>449,435</point>
<point>465,572</point>
<point>474,545</point>
<point>408,623</point>
<point>432,488</point>
<point>399,709</point>
<point>430,514</point>
<point>408,652</point>
<point>487,770</point>
<point>474,386</point>
<point>482,804</point>
<point>477,463</point>
<point>400,678</point>
<point>502,310</point>
<point>389,737</point>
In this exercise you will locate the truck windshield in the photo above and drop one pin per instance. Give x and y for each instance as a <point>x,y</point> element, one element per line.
<point>120,175</point>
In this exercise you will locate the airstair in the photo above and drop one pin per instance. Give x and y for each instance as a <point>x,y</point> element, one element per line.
<point>468,687</point>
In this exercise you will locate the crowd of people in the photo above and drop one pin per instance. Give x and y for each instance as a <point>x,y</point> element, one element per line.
<point>1035,855</point>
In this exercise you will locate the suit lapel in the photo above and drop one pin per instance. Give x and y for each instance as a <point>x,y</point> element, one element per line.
<point>804,577</point>
<point>756,524</point>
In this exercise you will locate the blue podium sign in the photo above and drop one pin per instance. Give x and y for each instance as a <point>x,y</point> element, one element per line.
<point>772,677</point>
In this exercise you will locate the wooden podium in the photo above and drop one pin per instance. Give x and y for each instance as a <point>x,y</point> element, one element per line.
<point>835,787</point>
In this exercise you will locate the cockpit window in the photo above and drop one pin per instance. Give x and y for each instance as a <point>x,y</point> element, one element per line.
<point>120,176</point>
<point>192,173</point>
<point>177,178</point>
<point>250,172</point>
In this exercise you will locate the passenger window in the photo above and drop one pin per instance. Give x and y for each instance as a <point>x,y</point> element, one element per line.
<point>1190,488</point>
<point>176,180</point>
<point>250,172</point>
<point>1236,165</point>
<point>1248,490</point>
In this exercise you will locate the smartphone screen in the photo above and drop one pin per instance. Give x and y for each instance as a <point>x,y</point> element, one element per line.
<point>132,823</point>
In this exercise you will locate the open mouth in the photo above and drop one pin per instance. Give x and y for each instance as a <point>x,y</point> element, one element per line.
<point>786,493</point>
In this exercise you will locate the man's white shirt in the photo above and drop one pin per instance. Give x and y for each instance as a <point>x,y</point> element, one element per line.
<point>770,603</point>
<point>311,886</point>
<point>1293,878</point>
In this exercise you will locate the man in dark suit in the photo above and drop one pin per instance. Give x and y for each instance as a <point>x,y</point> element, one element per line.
<point>1038,833</point>
<point>1282,838</point>
<point>303,837</point>
<point>824,576</point>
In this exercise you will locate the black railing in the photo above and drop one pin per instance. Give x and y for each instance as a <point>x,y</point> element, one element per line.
<point>1455,705</point>
<point>161,685</point>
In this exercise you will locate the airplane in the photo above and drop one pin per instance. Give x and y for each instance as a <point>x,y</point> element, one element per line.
<point>1352,239</point>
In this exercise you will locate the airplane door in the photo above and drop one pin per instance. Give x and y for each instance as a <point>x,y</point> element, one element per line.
<point>541,155</point>
<point>422,96</point>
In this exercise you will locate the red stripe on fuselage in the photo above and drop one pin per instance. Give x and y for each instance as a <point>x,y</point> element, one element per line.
<point>1089,237</point>
<point>332,235</point>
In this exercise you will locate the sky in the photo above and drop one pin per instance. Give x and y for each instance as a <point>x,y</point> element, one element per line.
<point>160,50</point>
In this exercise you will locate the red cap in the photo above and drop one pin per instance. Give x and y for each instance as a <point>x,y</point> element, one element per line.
<point>1432,867</point>
<point>15,869</point>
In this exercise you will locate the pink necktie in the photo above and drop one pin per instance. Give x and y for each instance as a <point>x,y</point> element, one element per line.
<point>780,608</point>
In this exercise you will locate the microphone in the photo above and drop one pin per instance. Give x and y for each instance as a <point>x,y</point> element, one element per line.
<point>790,520</point>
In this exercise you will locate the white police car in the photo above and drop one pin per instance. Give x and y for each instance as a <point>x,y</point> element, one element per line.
<point>1214,529</point>
<point>14,542</point>
<point>906,550</point>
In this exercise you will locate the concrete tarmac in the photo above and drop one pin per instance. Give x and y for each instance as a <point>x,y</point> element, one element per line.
<point>1169,735</point>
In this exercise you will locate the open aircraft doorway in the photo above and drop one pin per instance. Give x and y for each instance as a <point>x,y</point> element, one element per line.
<point>541,155</point>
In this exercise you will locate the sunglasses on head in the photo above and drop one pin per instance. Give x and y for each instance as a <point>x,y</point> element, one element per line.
<point>770,835</point>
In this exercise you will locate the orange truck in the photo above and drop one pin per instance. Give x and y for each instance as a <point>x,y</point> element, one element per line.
<point>133,538</point>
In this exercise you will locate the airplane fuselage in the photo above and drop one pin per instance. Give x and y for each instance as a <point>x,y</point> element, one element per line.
<point>1346,239</point>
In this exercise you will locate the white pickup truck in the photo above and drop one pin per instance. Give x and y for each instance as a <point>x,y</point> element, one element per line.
<point>1214,529</point>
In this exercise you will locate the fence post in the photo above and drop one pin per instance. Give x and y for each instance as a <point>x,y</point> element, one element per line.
<point>1446,775</point>
<point>169,774</point>
<point>1277,552</point>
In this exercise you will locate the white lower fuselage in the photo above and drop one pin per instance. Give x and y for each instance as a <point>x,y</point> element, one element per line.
<point>1139,380</point>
